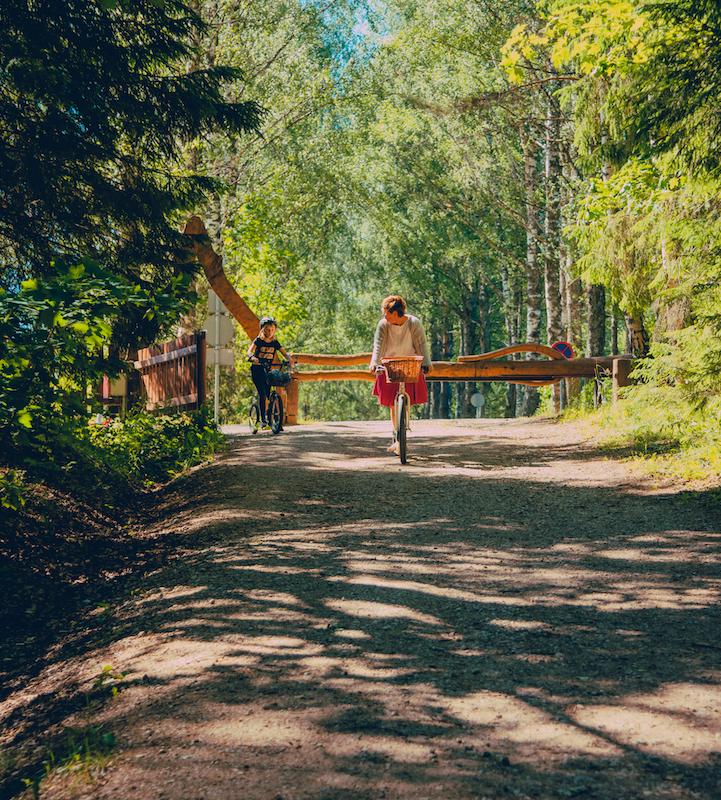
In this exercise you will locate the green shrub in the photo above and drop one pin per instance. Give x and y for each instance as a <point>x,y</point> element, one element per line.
<point>12,489</point>
<point>150,448</point>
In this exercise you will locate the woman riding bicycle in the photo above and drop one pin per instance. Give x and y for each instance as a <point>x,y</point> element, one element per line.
<point>261,355</point>
<point>398,334</point>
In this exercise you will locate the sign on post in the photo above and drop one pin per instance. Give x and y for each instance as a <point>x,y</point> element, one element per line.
<point>219,324</point>
<point>220,329</point>
<point>478,400</point>
<point>222,356</point>
<point>564,348</point>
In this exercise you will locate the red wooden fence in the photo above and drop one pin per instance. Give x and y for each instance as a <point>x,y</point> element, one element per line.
<point>172,374</point>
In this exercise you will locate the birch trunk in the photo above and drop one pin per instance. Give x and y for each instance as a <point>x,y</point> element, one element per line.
<point>552,233</point>
<point>529,402</point>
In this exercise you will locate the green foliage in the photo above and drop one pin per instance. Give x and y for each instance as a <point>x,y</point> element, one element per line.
<point>97,100</point>
<point>664,434</point>
<point>79,756</point>
<point>266,273</point>
<point>54,330</point>
<point>12,490</point>
<point>147,448</point>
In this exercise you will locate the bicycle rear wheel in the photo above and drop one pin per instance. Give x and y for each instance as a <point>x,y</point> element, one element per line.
<point>254,418</point>
<point>275,413</point>
<point>402,429</point>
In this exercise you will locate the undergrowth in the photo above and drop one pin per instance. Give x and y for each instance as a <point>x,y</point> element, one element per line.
<point>147,448</point>
<point>664,433</point>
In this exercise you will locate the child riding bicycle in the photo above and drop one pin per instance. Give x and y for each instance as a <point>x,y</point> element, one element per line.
<point>261,355</point>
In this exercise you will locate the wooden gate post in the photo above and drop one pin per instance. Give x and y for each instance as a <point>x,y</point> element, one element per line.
<point>291,409</point>
<point>620,375</point>
<point>200,367</point>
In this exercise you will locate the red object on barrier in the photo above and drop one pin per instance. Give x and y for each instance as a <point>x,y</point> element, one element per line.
<point>564,348</point>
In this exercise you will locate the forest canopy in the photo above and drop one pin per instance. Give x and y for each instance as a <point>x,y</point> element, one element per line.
<point>519,171</point>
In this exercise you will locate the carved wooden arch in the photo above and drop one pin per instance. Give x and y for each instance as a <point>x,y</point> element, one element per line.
<point>212,265</point>
<point>529,347</point>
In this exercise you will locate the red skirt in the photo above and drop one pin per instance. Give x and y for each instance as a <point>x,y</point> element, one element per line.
<point>386,392</point>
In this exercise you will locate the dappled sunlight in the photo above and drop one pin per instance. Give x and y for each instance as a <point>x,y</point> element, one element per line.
<point>364,608</point>
<point>532,731</point>
<point>503,633</point>
<point>679,721</point>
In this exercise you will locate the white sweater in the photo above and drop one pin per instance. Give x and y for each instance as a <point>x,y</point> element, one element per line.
<point>400,340</point>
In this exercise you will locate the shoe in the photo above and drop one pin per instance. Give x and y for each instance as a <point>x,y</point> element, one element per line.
<point>265,426</point>
<point>394,448</point>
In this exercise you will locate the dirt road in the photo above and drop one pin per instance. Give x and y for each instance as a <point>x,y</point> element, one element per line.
<point>510,615</point>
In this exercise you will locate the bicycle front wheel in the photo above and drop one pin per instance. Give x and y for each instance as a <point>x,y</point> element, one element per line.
<point>402,430</point>
<point>254,418</point>
<point>275,413</point>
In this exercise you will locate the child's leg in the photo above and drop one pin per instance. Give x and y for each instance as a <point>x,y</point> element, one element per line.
<point>260,379</point>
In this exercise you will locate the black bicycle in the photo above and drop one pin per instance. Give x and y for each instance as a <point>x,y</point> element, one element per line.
<point>276,411</point>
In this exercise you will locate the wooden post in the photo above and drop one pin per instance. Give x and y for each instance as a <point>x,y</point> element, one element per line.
<point>620,375</point>
<point>291,409</point>
<point>200,367</point>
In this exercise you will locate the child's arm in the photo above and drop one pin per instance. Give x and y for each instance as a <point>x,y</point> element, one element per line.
<point>251,353</point>
<point>285,355</point>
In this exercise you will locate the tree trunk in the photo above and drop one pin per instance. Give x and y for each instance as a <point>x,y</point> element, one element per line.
<point>614,332</point>
<point>445,401</point>
<point>552,249</point>
<point>435,386</point>
<point>533,273</point>
<point>596,339</point>
<point>470,327</point>
<point>552,232</point>
<point>636,336</point>
<point>510,316</point>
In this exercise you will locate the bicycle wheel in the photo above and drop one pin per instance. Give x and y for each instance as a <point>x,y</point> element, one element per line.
<point>275,413</point>
<point>254,418</point>
<point>402,429</point>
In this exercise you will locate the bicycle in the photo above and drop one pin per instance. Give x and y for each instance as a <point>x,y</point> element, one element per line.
<point>275,409</point>
<point>402,370</point>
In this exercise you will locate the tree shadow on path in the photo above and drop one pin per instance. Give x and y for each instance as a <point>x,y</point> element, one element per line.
<point>339,627</point>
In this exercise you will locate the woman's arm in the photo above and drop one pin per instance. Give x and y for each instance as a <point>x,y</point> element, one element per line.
<point>420,344</point>
<point>378,344</point>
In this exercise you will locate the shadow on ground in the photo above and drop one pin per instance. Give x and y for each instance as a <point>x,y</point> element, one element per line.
<point>337,627</point>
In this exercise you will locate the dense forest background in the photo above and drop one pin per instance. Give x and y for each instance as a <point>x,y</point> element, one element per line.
<point>519,171</point>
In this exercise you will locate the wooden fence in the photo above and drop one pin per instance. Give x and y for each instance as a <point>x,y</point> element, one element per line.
<point>476,368</point>
<point>172,374</point>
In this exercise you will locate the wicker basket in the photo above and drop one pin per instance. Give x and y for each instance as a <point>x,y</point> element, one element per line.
<point>404,369</point>
<point>279,377</point>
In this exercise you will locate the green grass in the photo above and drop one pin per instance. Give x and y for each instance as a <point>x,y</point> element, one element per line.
<point>78,757</point>
<point>663,434</point>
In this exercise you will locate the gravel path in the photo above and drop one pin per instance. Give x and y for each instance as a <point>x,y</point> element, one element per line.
<point>510,615</point>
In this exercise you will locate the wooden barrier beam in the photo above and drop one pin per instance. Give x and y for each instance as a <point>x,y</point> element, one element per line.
<point>212,265</point>
<point>313,375</point>
<point>482,371</point>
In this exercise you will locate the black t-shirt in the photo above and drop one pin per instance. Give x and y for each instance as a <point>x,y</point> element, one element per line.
<point>265,351</point>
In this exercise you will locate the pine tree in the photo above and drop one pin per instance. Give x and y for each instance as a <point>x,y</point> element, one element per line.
<point>96,103</point>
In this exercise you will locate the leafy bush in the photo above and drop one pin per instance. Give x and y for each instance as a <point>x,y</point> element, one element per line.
<point>12,489</point>
<point>148,448</point>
